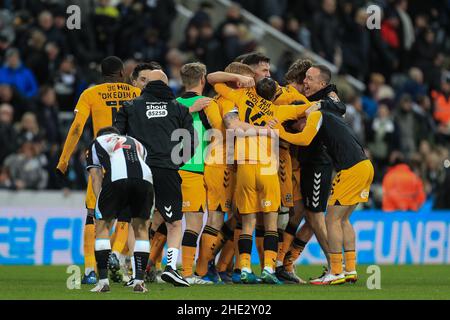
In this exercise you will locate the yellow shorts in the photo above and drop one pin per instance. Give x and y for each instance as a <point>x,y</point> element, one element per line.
<point>193,191</point>
<point>285,177</point>
<point>352,185</point>
<point>257,189</point>
<point>220,182</point>
<point>90,196</point>
<point>297,194</point>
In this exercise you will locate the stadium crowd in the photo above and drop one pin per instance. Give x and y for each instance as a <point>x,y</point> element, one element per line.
<point>402,117</point>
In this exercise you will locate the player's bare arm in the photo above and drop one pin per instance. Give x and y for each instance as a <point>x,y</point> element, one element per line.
<point>223,77</point>
<point>97,179</point>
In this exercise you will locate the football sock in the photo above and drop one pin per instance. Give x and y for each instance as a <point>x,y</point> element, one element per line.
<point>89,245</point>
<point>350,260</point>
<point>280,238</point>
<point>157,243</point>
<point>208,243</point>
<point>121,236</point>
<point>336,263</point>
<point>188,250</point>
<point>226,255</point>
<point>270,250</point>
<point>133,267</point>
<point>102,252</point>
<point>172,257</point>
<point>288,237</point>
<point>237,234</point>
<point>259,239</point>
<point>292,255</point>
<point>245,249</point>
<point>141,253</point>
<point>158,264</point>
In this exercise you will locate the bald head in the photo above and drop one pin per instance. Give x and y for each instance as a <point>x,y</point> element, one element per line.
<point>156,75</point>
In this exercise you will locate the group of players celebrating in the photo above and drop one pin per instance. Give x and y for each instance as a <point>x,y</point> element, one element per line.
<point>276,169</point>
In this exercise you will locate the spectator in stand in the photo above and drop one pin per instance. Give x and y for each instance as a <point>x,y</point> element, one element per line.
<point>17,75</point>
<point>209,49</point>
<point>10,95</point>
<point>106,20</point>
<point>402,188</point>
<point>356,45</point>
<point>414,85</point>
<point>151,47</point>
<point>356,117</point>
<point>47,26</point>
<point>202,16</point>
<point>28,128</point>
<point>37,59</point>
<point>8,135</point>
<point>47,116</point>
<point>441,100</point>
<point>159,15</point>
<point>407,122</point>
<point>68,84</point>
<point>325,31</point>
<point>130,24</point>
<point>370,99</point>
<point>382,139</point>
<point>26,168</point>
<point>298,31</point>
<point>175,60</point>
<point>54,60</point>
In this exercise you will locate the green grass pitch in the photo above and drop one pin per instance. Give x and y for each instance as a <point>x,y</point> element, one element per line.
<point>397,282</point>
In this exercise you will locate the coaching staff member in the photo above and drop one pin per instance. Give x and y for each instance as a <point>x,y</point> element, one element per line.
<point>152,118</point>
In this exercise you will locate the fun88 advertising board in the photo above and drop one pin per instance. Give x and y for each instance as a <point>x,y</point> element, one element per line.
<point>46,228</point>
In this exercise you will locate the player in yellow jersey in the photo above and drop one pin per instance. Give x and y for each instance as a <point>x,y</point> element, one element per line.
<point>101,102</point>
<point>220,179</point>
<point>292,93</point>
<point>257,177</point>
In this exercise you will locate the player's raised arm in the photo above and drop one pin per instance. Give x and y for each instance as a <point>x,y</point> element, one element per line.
<point>223,77</point>
<point>304,138</point>
<point>82,113</point>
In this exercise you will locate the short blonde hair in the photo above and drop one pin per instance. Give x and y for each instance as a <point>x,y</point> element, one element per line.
<point>192,73</point>
<point>240,68</point>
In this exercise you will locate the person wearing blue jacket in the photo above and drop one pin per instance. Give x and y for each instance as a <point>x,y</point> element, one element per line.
<point>16,74</point>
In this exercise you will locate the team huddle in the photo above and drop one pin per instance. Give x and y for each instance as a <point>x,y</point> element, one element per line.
<point>256,159</point>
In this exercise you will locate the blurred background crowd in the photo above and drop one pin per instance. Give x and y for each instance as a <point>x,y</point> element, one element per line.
<point>403,116</point>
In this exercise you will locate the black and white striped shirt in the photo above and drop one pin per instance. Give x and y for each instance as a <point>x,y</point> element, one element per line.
<point>121,157</point>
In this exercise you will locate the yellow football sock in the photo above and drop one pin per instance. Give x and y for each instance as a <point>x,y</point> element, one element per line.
<point>270,242</point>
<point>336,263</point>
<point>237,234</point>
<point>350,261</point>
<point>208,243</point>
<point>158,263</point>
<point>285,245</point>
<point>245,261</point>
<point>89,246</point>
<point>157,246</point>
<point>292,255</point>
<point>189,249</point>
<point>121,236</point>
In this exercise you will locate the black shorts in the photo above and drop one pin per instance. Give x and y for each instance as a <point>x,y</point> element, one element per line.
<point>168,197</point>
<point>125,199</point>
<point>315,185</point>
